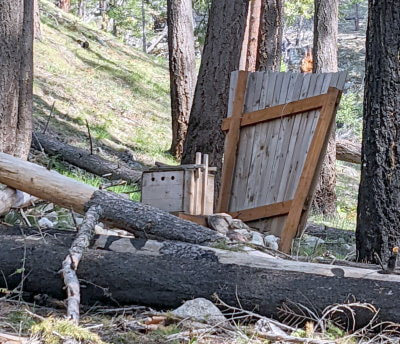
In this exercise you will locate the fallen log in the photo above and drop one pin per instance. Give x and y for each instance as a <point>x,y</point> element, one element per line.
<point>163,274</point>
<point>348,151</point>
<point>83,159</point>
<point>134,217</point>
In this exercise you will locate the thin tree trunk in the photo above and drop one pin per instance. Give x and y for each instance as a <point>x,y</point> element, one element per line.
<point>65,5</point>
<point>269,54</point>
<point>356,17</point>
<point>221,56</point>
<point>82,8</point>
<point>37,29</point>
<point>182,68</point>
<point>250,45</point>
<point>378,221</point>
<point>325,60</point>
<point>16,70</point>
<point>144,39</point>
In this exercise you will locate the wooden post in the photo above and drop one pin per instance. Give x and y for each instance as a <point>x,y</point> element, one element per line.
<point>204,186</point>
<point>231,143</point>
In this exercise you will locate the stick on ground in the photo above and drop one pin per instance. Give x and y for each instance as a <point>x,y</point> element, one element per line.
<point>70,264</point>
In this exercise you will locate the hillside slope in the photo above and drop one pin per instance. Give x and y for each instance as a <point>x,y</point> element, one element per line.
<point>121,92</point>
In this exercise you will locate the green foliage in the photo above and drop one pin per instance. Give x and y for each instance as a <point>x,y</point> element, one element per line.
<point>349,115</point>
<point>52,331</point>
<point>20,320</point>
<point>298,8</point>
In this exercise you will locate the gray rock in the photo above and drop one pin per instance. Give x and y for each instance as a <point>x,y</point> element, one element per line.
<point>201,310</point>
<point>257,239</point>
<point>235,236</point>
<point>220,222</point>
<point>238,224</point>
<point>44,222</point>
<point>271,241</point>
<point>312,241</point>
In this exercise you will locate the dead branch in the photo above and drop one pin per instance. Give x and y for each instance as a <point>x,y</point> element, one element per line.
<point>70,264</point>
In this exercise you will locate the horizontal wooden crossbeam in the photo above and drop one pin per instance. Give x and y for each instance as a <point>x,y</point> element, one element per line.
<point>279,111</point>
<point>265,211</point>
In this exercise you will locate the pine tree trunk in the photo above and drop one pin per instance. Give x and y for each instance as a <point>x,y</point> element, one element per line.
<point>269,54</point>
<point>16,70</point>
<point>182,68</point>
<point>221,56</point>
<point>378,222</point>
<point>325,60</point>
<point>248,60</point>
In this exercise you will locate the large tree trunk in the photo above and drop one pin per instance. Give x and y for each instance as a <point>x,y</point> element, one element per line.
<point>221,56</point>
<point>182,69</point>
<point>378,221</point>
<point>16,70</point>
<point>163,274</point>
<point>270,52</point>
<point>16,77</point>
<point>325,60</point>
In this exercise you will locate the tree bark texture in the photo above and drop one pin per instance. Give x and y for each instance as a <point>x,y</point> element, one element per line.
<point>16,71</point>
<point>378,221</point>
<point>270,52</point>
<point>83,159</point>
<point>325,60</point>
<point>164,274</point>
<point>182,69</point>
<point>221,56</point>
<point>248,60</point>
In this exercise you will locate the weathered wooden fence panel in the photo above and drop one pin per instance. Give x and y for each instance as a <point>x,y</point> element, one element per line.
<point>270,155</point>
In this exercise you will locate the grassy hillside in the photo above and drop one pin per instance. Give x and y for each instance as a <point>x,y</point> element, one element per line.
<point>121,92</point>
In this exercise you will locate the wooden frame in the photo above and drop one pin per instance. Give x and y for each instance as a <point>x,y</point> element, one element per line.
<point>293,210</point>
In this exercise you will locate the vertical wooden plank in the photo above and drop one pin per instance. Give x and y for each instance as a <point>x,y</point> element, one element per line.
<point>282,139</point>
<point>232,88</point>
<point>245,139</point>
<point>231,143</point>
<point>204,185</point>
<point>247,184</point>
<point>272,98</point>
<point>324,123</point>
<point>287,132</point>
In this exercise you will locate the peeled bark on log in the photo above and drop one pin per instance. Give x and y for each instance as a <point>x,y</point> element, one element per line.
<point>83,159</point>
<point>348,151</point>
<point>163,274</point>
<point>134,217</point>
